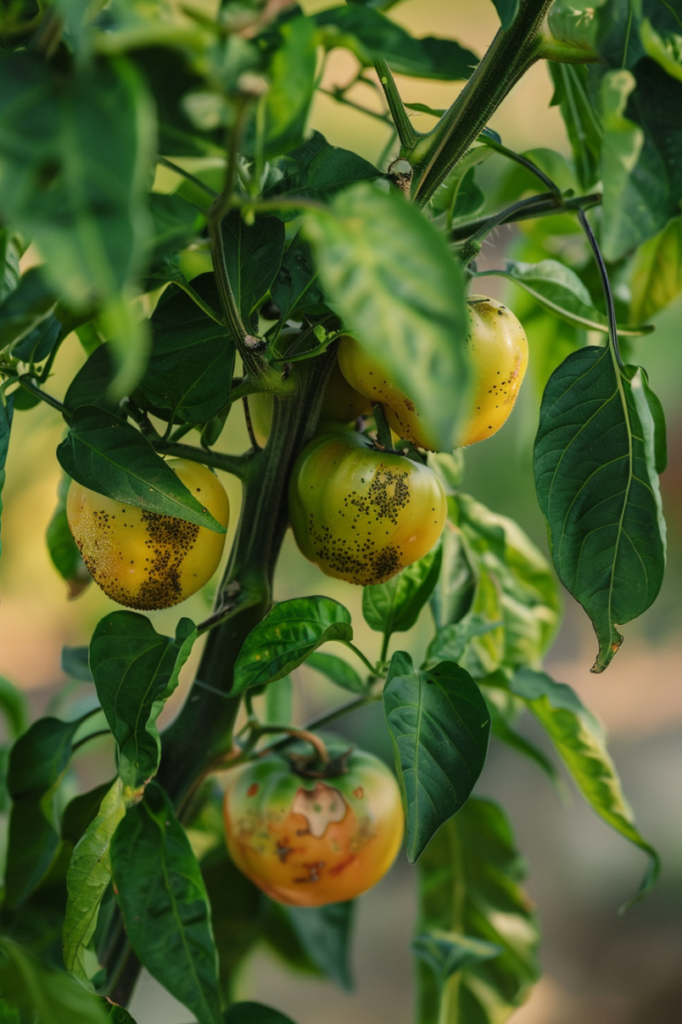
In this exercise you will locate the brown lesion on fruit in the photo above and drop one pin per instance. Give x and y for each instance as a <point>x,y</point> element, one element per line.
<point>320,807</point>
<point>313,870</point>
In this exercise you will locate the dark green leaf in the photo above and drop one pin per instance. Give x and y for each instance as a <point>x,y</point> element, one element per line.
<point>135,671</point>
<point>119,1015</point>
<point>190,368</point>
<point>560,290</point>
<point>10,254</point>
<point>572,95</point>
<point>81,812</point>
<point>394,607</point>
<point>325,934</point>
<point>285,638</point>
<point>451,641</point>
<point>163,901</point>
<point>391,276</point>
<point>573,22</point>
<point>92,383</point>
<point>176,222</point>
<point>439,725</point>
<point>292,84</point>
<point>316,170</point>
<point>61,546</point>
<point>6,413</point>
<point>43,995</point>
<point>88,876</point>
<point>454,591</point>
<point>295,287</point>
<point>236,912</point>
<point>507,11</point>
<point>114,459</point>
<point>470,887</point>
<point>254,1013</point>
<point>253,254</point>
<point>37,761</point>
<point>26,307</point>
<point>13,707</point>
<point>337,670</point>
<point>8,1015</point>
<point>657,272</point>
<point>368,34</point>
<point>75,663</point>
<point>580,742</point>
<point>598,490</point>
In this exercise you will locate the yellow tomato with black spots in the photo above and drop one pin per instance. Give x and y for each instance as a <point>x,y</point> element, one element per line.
<point>142,559</point>
<point>307,842</point>
<point>498,350</point>
<point>360,513</point>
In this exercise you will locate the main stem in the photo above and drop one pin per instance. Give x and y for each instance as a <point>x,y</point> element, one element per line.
<point>202,732</point>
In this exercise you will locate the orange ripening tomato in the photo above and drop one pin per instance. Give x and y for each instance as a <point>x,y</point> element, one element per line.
<point>499,355</point>
<point>142,559</point>
<point>307,842</point>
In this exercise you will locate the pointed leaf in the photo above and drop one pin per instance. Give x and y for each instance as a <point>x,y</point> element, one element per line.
<point>253,253</point>
<point>163,901</point>
<point>88,876</point>
<point>44,995</point>
<point>391,276</point>
<point>337,670</point>
<point>292,85</point>
<point>394,607</point>
<point>446,953</point>
<point>657,272</point>
<point>285,638</point>
<point>440,725</point>
<point>254,1013</point>
<point>325,934</point>
<point>598,490</point>
<point>114,459</point>
<point>27,306</point>
<point>135,671</point>
<point>470,884</point>
<point>580,742</point>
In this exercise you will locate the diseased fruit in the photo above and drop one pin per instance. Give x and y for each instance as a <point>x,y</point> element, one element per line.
<point>142,559</point>
<point>499,356</point>
<point>307,842</point>
<point>360,513</point>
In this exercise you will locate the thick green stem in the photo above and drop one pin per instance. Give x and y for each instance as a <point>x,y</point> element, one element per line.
<point>511,54</point>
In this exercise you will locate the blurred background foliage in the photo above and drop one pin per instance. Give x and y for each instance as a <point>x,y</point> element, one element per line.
<point>599,966</point>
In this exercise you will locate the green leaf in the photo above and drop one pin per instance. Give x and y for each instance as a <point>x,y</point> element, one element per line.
<point>24,308</point>
<point>292,84</point>
<point>459,195</point>
<point>43,995</point>
<point>470,888</point>
<point>6,414</point>
<point>391,276</point>
<point>136,670</point>
<point>456,586</point>
<point>253,254</point>
<point>114,459</point>
<point>236,912</point>
<point>295,288</point>
<point>450,642</point>
<point>507,11</point>
<point>254,1013</point>
<point>580,742</point>
<point>440,725</point>
<point>286,636</point>
<point>559,289</point>
<point>10,254</point>
<point>585,132</point>
<point>92,383</point>
<point>657,272</point>
<point>446,953</point>
<point>394,607</point>
<point>598,490</point>
<point>88,876</point>
<point>175,222</point>
<point>13,707</point>
<point>336,670</point>
<point>325,935</point>
<point>119,1015</point>
<point>315,170</point>
<point>190,367</point>
<point>163,901</point>
<point>369,35</point>
<point>573,22</point>
<point>37,761</point>
<point>61,546</point>
<point>74,178</point>
<point>503,711</point>
<point>80,812</point>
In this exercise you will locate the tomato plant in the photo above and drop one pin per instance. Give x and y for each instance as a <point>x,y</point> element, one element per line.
<point>195,282</point>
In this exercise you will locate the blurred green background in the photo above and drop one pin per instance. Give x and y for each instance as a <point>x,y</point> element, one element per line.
<point>600,967</point>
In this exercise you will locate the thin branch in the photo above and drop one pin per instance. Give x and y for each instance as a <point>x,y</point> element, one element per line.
<point>365,661</point>
<point>29,386</point>
<point>237,465</point>
<point>526,209</point>
<point>337,94</point>
<point>249,424</point>
<point>90,736</point>
<point>523,160</point>
<point>186,174</point>
<point>208,310</point>
<point>606,285</point>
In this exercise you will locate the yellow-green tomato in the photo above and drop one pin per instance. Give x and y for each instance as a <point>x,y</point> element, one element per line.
<point>341,404</point>
<point>308,842</point>
<point>499,353</point>
<point>142,559</point>
<point>363,514</point>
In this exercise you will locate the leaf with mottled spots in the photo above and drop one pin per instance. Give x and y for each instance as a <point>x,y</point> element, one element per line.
<point>135,671</point>
<point>285,638</point>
